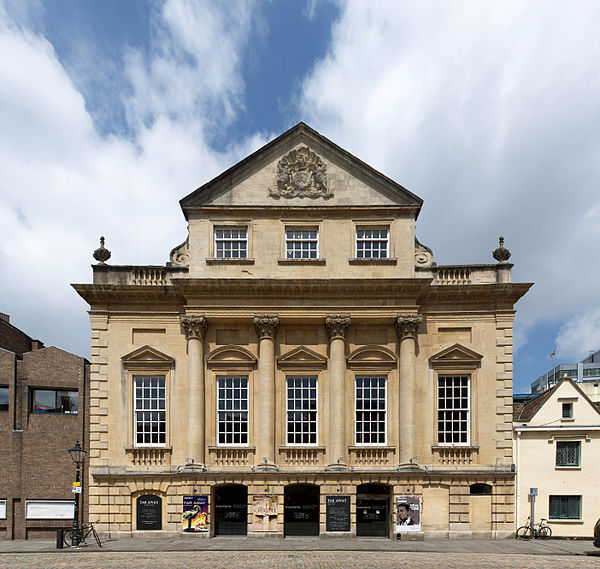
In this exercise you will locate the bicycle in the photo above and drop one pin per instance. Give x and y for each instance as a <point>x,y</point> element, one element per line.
<point>78,536</point>
<point>536,531</point>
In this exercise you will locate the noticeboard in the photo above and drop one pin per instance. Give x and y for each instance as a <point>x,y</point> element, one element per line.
<point>337,513</point>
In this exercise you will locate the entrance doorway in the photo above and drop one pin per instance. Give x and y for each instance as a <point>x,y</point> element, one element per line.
<point>231,510</point>
<point>372,510</point>
<point>301,510</point>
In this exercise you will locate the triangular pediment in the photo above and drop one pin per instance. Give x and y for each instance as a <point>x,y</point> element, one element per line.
<point>231,357</point>
<point>372,356</point>
<point>147,356</point>
<point>302,357</point>
<point>456,356</point>
<point>300,167</point>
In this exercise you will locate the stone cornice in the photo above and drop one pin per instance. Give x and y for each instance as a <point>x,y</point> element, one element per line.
<point>359,293</point>
<point>320,474</point>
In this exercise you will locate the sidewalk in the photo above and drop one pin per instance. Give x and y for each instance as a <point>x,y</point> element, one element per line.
<point>490,546</point>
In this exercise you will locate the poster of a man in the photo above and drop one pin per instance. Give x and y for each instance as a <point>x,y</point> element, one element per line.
<point>408,513</point>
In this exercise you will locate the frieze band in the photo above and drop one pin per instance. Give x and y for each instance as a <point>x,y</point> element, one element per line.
<point>194,327</point>
<point>266,326</point>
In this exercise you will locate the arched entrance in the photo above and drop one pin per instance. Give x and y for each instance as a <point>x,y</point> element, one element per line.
<point>301,510</point>
<point>373,510</point>
<point>231,510</point>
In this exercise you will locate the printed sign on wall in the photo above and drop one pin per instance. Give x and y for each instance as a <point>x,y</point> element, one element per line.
<point>264,513</point>
<point>195,513</point>
<point>408,513</point>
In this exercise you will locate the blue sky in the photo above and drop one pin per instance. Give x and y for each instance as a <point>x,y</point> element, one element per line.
<point>112,111</point>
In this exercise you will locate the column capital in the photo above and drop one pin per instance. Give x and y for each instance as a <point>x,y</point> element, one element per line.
<point>337,326</point>
<point>194,326</point>
<point>407,325</point>
<point>266,326</point>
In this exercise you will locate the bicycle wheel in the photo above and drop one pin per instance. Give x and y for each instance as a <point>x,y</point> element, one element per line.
<point>96,537</point>
<point>545,532</point>
<point>68,537</point>
<point>524,532</point>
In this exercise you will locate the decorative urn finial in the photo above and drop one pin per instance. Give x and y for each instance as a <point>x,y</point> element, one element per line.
<point>501,254</point>
<point>102,254</point>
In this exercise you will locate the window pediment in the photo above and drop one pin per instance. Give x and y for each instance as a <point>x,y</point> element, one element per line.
<point>372,357</point>
<point>456,357</point>
<point>302,357</point>
<point>147,357</point>
<point>231,357</point>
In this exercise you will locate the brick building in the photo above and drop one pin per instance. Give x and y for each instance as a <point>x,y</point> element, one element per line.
<point>43,400</point>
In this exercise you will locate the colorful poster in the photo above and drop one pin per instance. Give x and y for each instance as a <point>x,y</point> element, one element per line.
<point>195,513</point>
<point>408,513</point>
<point>264,514</point>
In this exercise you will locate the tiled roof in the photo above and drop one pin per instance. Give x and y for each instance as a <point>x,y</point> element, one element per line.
<point>523,412</point>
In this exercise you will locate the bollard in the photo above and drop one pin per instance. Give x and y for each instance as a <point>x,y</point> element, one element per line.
<point>59,539</point>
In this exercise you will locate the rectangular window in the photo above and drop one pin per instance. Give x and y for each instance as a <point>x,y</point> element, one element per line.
<point>231,242</point>
<point>232,410</point>
<point>453,410</point>
<point>2,509</point>
<point>567,410</point>
<point>370,410</point>
<point>591,372</point>
<point>54,401</point>
<point>372,243</point>
<point>302,410</point>
<point>3,399</point>
<point>301,243</point>
<point>565,507</point>
<point>150,410</point>
<point>567,453</point>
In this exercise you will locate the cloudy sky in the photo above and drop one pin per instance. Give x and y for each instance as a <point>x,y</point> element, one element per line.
<point>112,111</point>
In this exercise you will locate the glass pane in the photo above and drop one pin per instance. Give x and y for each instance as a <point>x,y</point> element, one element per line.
<point>3,398</point>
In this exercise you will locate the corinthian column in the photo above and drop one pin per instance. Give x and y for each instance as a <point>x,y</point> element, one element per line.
<point>406,329</point>
<point>194,328</point>
<point>336,329</point>
<point>266,329</point>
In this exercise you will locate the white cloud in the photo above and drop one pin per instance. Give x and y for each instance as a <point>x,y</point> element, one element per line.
<point>63,184</point>
<point>579,336</point>
<point>489,111</point>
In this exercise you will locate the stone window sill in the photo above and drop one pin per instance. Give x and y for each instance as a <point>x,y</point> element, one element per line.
<point>374,261</point>
<point>214,261</point>
<point>313,262</point>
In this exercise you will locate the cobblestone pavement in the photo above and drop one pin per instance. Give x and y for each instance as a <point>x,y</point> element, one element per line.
<point>82,559</point>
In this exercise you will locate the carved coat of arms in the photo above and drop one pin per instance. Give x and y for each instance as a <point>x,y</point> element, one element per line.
<point>301,174</point>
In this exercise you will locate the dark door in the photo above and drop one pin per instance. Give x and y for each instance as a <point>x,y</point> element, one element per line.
<point>301,510</point>
<point>372,510</point>
<point>231,510</point>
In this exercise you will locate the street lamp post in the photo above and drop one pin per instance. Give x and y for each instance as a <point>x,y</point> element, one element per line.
<point>78,456</point>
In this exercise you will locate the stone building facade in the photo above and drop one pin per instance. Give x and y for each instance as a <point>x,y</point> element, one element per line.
<point>43,401</point>
<point>301,366</point>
